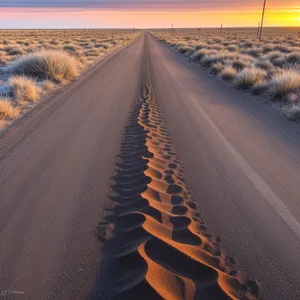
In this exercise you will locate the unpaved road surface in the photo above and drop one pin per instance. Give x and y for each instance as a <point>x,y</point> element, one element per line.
<point>241,164</point>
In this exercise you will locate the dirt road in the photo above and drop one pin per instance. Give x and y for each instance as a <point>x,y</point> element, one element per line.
<point>58,174</point>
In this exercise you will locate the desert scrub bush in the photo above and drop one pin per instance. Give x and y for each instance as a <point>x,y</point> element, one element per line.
<point>259,87</point>
<point>284,82</point>
<point>184,49</point>
<point>292,112</point>
<point>293,57</point>
<point>232,48</point>
<point>70,48</point>
<point>268,47</point>
<point>13,51</point>
<point>217,67</point>
<point>239,64</point>
<point>220,56</point>
<point>228,73</point>
<point>7,110</point>
<point>200,45</point>
<point>23,88</point>
<point>48,85</point>
<point>92,53</point>
<point>248,77</point>
<point>55,65</point>
<point>3,60</point>
<point>264,64</point>
<point>198,55</point>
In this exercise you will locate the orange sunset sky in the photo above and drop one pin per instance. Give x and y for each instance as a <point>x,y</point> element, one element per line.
<point>145,14</point>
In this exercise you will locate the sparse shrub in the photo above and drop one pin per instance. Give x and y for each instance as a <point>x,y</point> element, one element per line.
<point>254,52</point>
<point>48,85</point>
<point>248,77</point>
<point>264,64</point>
<point>13,51</point>
<point>198,55</point>
<point>293,57</point>
<point>184,49</point>
<point>232,48</point>
<point>102,45</point>
<point>70,48</point>
<point>239,64</point>
<point>199,46</point>
<point>273,55</point>
<point>217,67</point>
<point>284,82</point>
<point>292,112</point>
<point>228,73</point>
<point>259,87</point>
<point>3,60</point>
<point>91,53</point>
<point>268,47</point>
<point>280,61</point>
<point>48,64</point>
<point>23,88</point>
<point>54,42</point>
<point>7,110</point>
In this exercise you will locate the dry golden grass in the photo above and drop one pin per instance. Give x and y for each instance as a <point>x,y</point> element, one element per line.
<point>270,68</point>
<point>7,110</point>
<point>55,65</point>
<point>248,77</point>
<point>228,72</point>
<point>284,82</point>
<point>35,62</point>
<point>24,88</point>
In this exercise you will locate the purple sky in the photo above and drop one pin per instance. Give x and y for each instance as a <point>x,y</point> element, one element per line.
<point>138,4</point>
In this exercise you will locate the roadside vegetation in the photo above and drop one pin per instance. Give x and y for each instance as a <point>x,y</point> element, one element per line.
<point>36,62</point>
<point>270,69</point>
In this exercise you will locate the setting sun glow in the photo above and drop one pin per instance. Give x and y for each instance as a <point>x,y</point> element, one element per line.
<point>82,18</point>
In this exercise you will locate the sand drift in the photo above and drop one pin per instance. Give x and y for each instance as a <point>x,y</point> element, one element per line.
<point>160,246</point>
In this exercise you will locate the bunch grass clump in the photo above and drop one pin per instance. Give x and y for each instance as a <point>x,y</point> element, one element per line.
<point>55,65</point>
<point>292,112</point>
<point>23,88</point>
<point>284,82</point>
<point>7,110</point>
<point>228,73</point>
<point>249,77</point>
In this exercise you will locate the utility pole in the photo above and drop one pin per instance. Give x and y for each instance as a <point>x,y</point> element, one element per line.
<point>257,34</point>
<point>262,20</point>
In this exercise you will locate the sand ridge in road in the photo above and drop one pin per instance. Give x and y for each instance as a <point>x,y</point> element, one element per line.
<point>160,246</point>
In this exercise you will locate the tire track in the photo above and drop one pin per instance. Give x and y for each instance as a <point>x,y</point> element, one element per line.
<point>159,244</point>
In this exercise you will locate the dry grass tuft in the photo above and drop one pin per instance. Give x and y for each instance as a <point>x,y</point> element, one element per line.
<point>284,82</point>
<point>23,88</point>
<point>48,85</point>
<point>268,68</point>
<point>228,73</point>
<point>55,65</point>
<point>217,67</point>
<point>249,77</point>
<point>7,110</point>
<point>292,112</point>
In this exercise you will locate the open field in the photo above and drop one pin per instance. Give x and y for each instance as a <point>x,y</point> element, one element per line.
<point>35,62</point>
<point>270,69</point>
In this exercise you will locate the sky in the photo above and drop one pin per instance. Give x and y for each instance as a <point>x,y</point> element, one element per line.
<point>145,14</point>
